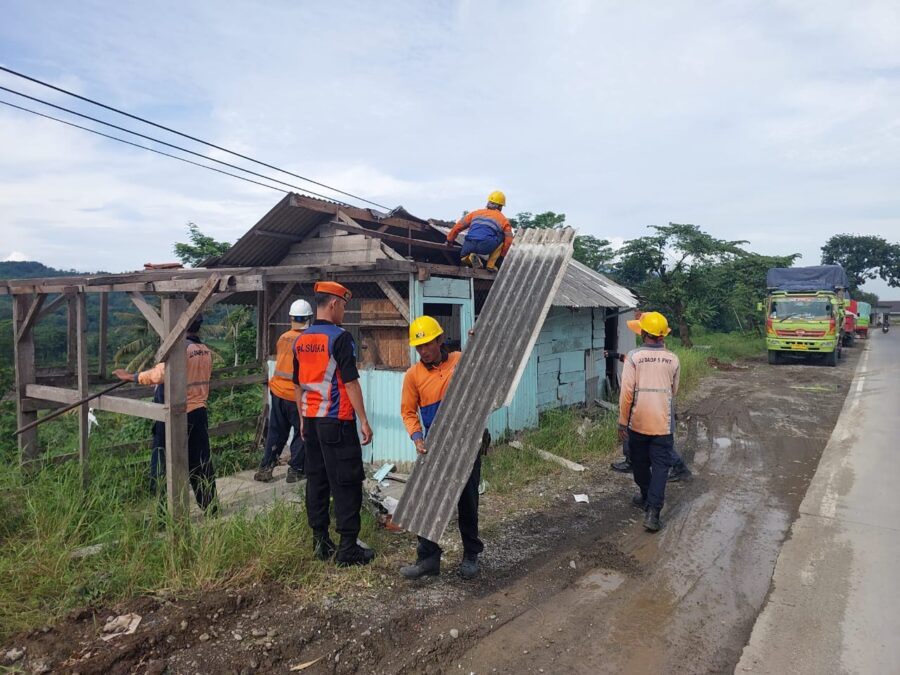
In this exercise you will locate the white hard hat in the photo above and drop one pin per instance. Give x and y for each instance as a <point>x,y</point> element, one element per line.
<point>301,308</point>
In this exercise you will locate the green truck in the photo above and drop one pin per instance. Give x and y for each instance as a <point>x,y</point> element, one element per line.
<point>864,319</point>
<point>805,312</point>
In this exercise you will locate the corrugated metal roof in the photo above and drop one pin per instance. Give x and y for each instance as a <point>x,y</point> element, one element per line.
<point>486,377</point>
<point>583,287</point>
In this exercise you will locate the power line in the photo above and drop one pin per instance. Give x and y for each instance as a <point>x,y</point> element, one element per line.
<point>188,136</point>
<point>138,145</point>
<point>156,140</point>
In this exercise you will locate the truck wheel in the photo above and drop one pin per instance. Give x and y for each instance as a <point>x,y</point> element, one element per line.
<point>774,357</point>
<point>831,359</point>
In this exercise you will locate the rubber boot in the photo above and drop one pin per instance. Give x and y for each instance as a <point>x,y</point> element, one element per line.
<point>651,520</point>
<point>351,553</point>
<point>468,260</point>
<point>494,257</point>
<point>264,475</point>
<point>468,568</point>
<point>425,567</point>
<point>323,547</point>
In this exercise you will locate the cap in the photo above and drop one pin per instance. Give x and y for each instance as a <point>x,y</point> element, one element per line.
<point>333,288</point>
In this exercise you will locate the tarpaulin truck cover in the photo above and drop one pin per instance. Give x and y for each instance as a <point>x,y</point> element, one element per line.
<point>815,278</point>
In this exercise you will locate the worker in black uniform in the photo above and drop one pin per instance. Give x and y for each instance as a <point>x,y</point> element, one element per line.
<point>329,399</point>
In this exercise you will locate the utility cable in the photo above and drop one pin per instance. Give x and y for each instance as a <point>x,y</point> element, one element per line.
<point>142,147</point>
<point>167,144</point>
<point>188,136</point>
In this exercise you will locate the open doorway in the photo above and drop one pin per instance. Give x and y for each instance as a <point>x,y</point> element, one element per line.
<point>448,315</point>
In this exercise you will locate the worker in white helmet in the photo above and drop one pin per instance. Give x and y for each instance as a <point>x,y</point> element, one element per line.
<point>283,413</point>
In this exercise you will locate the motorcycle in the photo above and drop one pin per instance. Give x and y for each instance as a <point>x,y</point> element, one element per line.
<point>885,327</point>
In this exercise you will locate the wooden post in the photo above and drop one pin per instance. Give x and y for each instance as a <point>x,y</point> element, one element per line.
<point>102,339</point>
<point>29,450</point>
<point>261,321</point>
<point>177,485</point>
<point>82,373</point>
<point>71,335</point>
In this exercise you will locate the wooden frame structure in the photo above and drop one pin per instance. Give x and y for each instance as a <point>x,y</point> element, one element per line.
<point>184,293</point>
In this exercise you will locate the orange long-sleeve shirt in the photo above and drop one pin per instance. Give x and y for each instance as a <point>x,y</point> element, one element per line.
<point>423,390</point>
<point>199,372</point>
<point>483,220</point>
<point>649,384</point>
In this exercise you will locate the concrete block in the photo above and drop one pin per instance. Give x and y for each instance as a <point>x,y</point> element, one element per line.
<point>571,360</point>
<point>547,381</point>
<point>572,342</point>
<point>544,347</point>
<point>567,378</point>
<point>547,364</point>
<point>572,393</point>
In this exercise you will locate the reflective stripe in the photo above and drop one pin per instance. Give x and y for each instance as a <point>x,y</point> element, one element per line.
<point>661,391</point>
<point>322,388</point>
<point>284,375</point>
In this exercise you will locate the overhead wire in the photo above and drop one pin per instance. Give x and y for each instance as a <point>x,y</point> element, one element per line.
<point>138,145</point>
<point>161,142</point>
<point>188,136</point>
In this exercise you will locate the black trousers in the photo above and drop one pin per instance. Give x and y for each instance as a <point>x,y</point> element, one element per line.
<point>651,458</point>
<point>283,416</point>
<point>201,473</point>
<point>334,468</point>
<point>468,520</point>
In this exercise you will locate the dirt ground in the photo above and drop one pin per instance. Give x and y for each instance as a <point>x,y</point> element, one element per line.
<point>573,588</point>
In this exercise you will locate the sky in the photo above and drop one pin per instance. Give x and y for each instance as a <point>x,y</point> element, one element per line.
<point>776,122</point>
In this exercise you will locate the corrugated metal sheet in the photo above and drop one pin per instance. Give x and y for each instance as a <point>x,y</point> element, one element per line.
<point>381,394</point>
<point>583,287</point>
<point>486,377</point>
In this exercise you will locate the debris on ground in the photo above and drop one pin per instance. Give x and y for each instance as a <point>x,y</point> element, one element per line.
<point>582,499</point>
<point>125,624</point>
<point>549,456</point>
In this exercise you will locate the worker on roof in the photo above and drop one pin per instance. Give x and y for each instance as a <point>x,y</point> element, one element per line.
<point>329,399</point>
<point>283,413</point>
<point>424,386</point>
<point>647,412</point>
<point>488,233</point>
<point>201,473</point>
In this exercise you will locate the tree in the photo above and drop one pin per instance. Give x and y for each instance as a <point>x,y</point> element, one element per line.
<point>200,248</point>
<point>671,271</point>
<point>589,250</point>
<point>863,257</point>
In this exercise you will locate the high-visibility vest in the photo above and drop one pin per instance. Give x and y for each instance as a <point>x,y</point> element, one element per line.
<point>324,393</point>
<point>281,384</point>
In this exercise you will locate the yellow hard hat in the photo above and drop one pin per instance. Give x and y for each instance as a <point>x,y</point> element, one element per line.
<point>422,330</point>
<point>652,323</point>
<point>497,197</point>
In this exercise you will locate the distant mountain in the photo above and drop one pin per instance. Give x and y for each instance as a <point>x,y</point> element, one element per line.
<point>29,269</point>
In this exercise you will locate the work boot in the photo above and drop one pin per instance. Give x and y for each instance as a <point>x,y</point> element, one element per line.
<point>323,547</point>
<point>639,501</point>
<point>622,467</point>
<point>293,475</point>
<point>494,258</point>
<point>651,520</point>
<point>677,474</point>
<point>468,568</point>
<point>264,475</point>
<point>352,555</point>
<point>468,260</point>
<point>430,567</point>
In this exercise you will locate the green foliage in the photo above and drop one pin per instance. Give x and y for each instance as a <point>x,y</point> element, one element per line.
<point>863,257</point>
<point>589,250</point>
<point>671,271</point>
<point>200,247</point>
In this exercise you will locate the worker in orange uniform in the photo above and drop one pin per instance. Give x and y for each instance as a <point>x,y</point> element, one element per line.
<point>647,412</point>
<point>488,233</point>
<point>424,387</point>
<point>283,413</point>
<point>201,474</point>
<point>329,399</point>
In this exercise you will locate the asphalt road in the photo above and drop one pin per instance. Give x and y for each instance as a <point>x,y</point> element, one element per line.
<point>835,600</point>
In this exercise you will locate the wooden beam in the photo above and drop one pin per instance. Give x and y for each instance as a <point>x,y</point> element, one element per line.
<point>176,316</point>
<point>103,337</point>
<point>108,403</point>
<point>81,320</point>
<point>178,329</point>
<point>223,429</point>
<point>395,298</point>
<point>147,311</point>
<point>344,222</point>
<point>30,318</point>
<point>29,450</point>
<point>72,334</point>
<point>51,306</point>
<point>279,300</point>
<point>260,320</point>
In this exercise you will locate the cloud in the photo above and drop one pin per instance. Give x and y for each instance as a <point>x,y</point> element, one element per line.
<point>17,256</point>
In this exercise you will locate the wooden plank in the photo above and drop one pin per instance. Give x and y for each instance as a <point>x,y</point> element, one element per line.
<point>31,316</point>
<point>29,450</point>
<point>178,329</point>
<point>103,337</point>
<point>279,300</point>
<point>71,334</point>
<point>223,429</point>
<point>81,321</point>
<point>344,222</point>
<point>176,316</point>
<point>391,253</point>
<point>261,318</point>
<point>108,403</point>
<point>395,298</point>
<point>148,312</point>
<point>51,306</point>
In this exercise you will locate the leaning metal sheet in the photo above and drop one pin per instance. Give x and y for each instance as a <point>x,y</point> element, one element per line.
<point>486,377</point>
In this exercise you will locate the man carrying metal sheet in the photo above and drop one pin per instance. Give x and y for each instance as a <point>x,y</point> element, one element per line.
<point>330,401</point>
<point>424,387</point>
<point>283,412</point>
<point>488,233</point>
<point>647,412</point>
